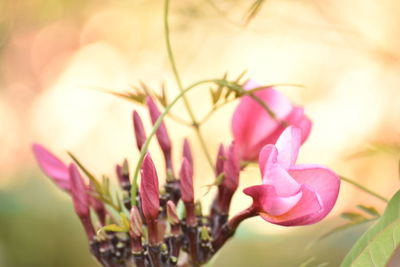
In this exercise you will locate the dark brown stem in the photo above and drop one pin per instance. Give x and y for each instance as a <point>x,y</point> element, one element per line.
<point>152,227</point>
<point>139,259</point>
<point>191,219</point>
<point>228,230</point>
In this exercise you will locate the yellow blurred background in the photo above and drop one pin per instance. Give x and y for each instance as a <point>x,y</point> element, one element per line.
<point>55,55</point>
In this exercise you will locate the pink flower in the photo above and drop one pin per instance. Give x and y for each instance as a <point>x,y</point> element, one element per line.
<point>253,127</point>
<point>52,167</point>
<point>292,194</point>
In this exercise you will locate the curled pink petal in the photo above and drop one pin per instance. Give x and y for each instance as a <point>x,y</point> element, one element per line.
<point>52,166</point>
<point>324,182</point>
<point>301,214</point>
<point>269,202</point>
<point>274,174</point>
<point>149,191</point>
<point>288,145</point>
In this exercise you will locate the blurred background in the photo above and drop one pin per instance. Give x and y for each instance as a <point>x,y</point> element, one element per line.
<point>56,55</point>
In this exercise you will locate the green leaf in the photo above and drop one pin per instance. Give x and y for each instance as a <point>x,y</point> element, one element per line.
<point>370,210</point>
<point>376,246</point>
<point>124,220</point>
<point>353,216</point>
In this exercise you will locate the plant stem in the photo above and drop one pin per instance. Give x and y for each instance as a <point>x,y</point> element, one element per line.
<point>363,188</point>
<point>195,124</point>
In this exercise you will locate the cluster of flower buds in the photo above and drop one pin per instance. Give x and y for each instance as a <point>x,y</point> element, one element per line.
<point>165,226</point>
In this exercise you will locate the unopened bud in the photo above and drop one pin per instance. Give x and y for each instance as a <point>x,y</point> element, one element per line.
<point>162,134</point>
<point>149,191</point>
<point>172,216</point>
<point>219,163</point>
<point>140,133</point>
<point>186,179</point>
<point>136,223</point>
<point>231,169</point>
<point>187,152</point>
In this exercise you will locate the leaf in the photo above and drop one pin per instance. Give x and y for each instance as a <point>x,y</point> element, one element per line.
<point>370,210</point>
<point>124,220</point>
<point>253,10</point>
<point>344,227</point>
<point>353,216</point>
<point>376,246</point>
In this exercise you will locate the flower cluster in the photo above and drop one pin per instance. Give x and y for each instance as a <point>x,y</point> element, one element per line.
<point>165,226</point>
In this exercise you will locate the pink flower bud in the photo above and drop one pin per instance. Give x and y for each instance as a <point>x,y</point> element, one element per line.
<point>52,167</point>
<point>162,134</point>
<point>292,194</point>
<point>231,169</point>
<point>140,133</point>
<point>219,164</point>
<point>187,152</point>
<point>172,216</point>
<point>136,230</point>
<point>80,200</point>
<point>186,178</point>
<point>123,175</point>
<point>253,127</point>
<point>149,191</point>
<point>78,192</point>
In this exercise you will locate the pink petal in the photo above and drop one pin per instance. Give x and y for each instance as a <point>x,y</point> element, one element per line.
<point>266,199</point>
<point>288,145</point>
<point>78,192</point>
<point>302,213</point>
<point>149,191</point>
<point>251,124</point>
<point>274,174</point>
<point>52,166</point>
<point>186,180</point>
<point>298,119</point>
<point>323,181</point>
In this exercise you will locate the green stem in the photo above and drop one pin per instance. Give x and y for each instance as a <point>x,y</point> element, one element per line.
<point>195,124</point>
<point>363,188</point>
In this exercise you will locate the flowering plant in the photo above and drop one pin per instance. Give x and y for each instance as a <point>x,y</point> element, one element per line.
<point>149,225</point>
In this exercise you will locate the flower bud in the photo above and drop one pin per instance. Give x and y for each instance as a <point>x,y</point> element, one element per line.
<point>136,230</point>
<point>187,152</point>
<point>80,199</point>
<point>172,216</point>
<point>162,134</point>
<point>123,175</point>
<point>186,179</point>
<point>140,133</point>
<point>149,191</point>
<point>52,167</point>
<point>231,169</point>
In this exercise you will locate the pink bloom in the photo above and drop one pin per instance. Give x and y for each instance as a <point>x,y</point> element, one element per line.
<point>52,167</point>
<point>149,191</point>
<point>292,194</point>
<point>253,127</point>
